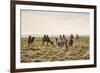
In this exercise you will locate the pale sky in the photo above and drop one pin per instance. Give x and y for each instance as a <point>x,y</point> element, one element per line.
<point>54,23</point>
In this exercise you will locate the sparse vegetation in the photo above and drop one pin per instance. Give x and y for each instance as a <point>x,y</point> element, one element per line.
<point>38,52</point>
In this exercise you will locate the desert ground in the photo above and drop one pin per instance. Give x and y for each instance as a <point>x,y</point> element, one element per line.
<point>38,52</point>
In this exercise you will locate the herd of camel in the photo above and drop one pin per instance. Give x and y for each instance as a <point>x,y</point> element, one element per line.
<point>60,41</point>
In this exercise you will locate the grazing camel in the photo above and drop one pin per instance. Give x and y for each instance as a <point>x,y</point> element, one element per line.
<point>47,40</point>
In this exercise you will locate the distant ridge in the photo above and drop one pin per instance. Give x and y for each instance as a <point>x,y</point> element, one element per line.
<point>37,35</point>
